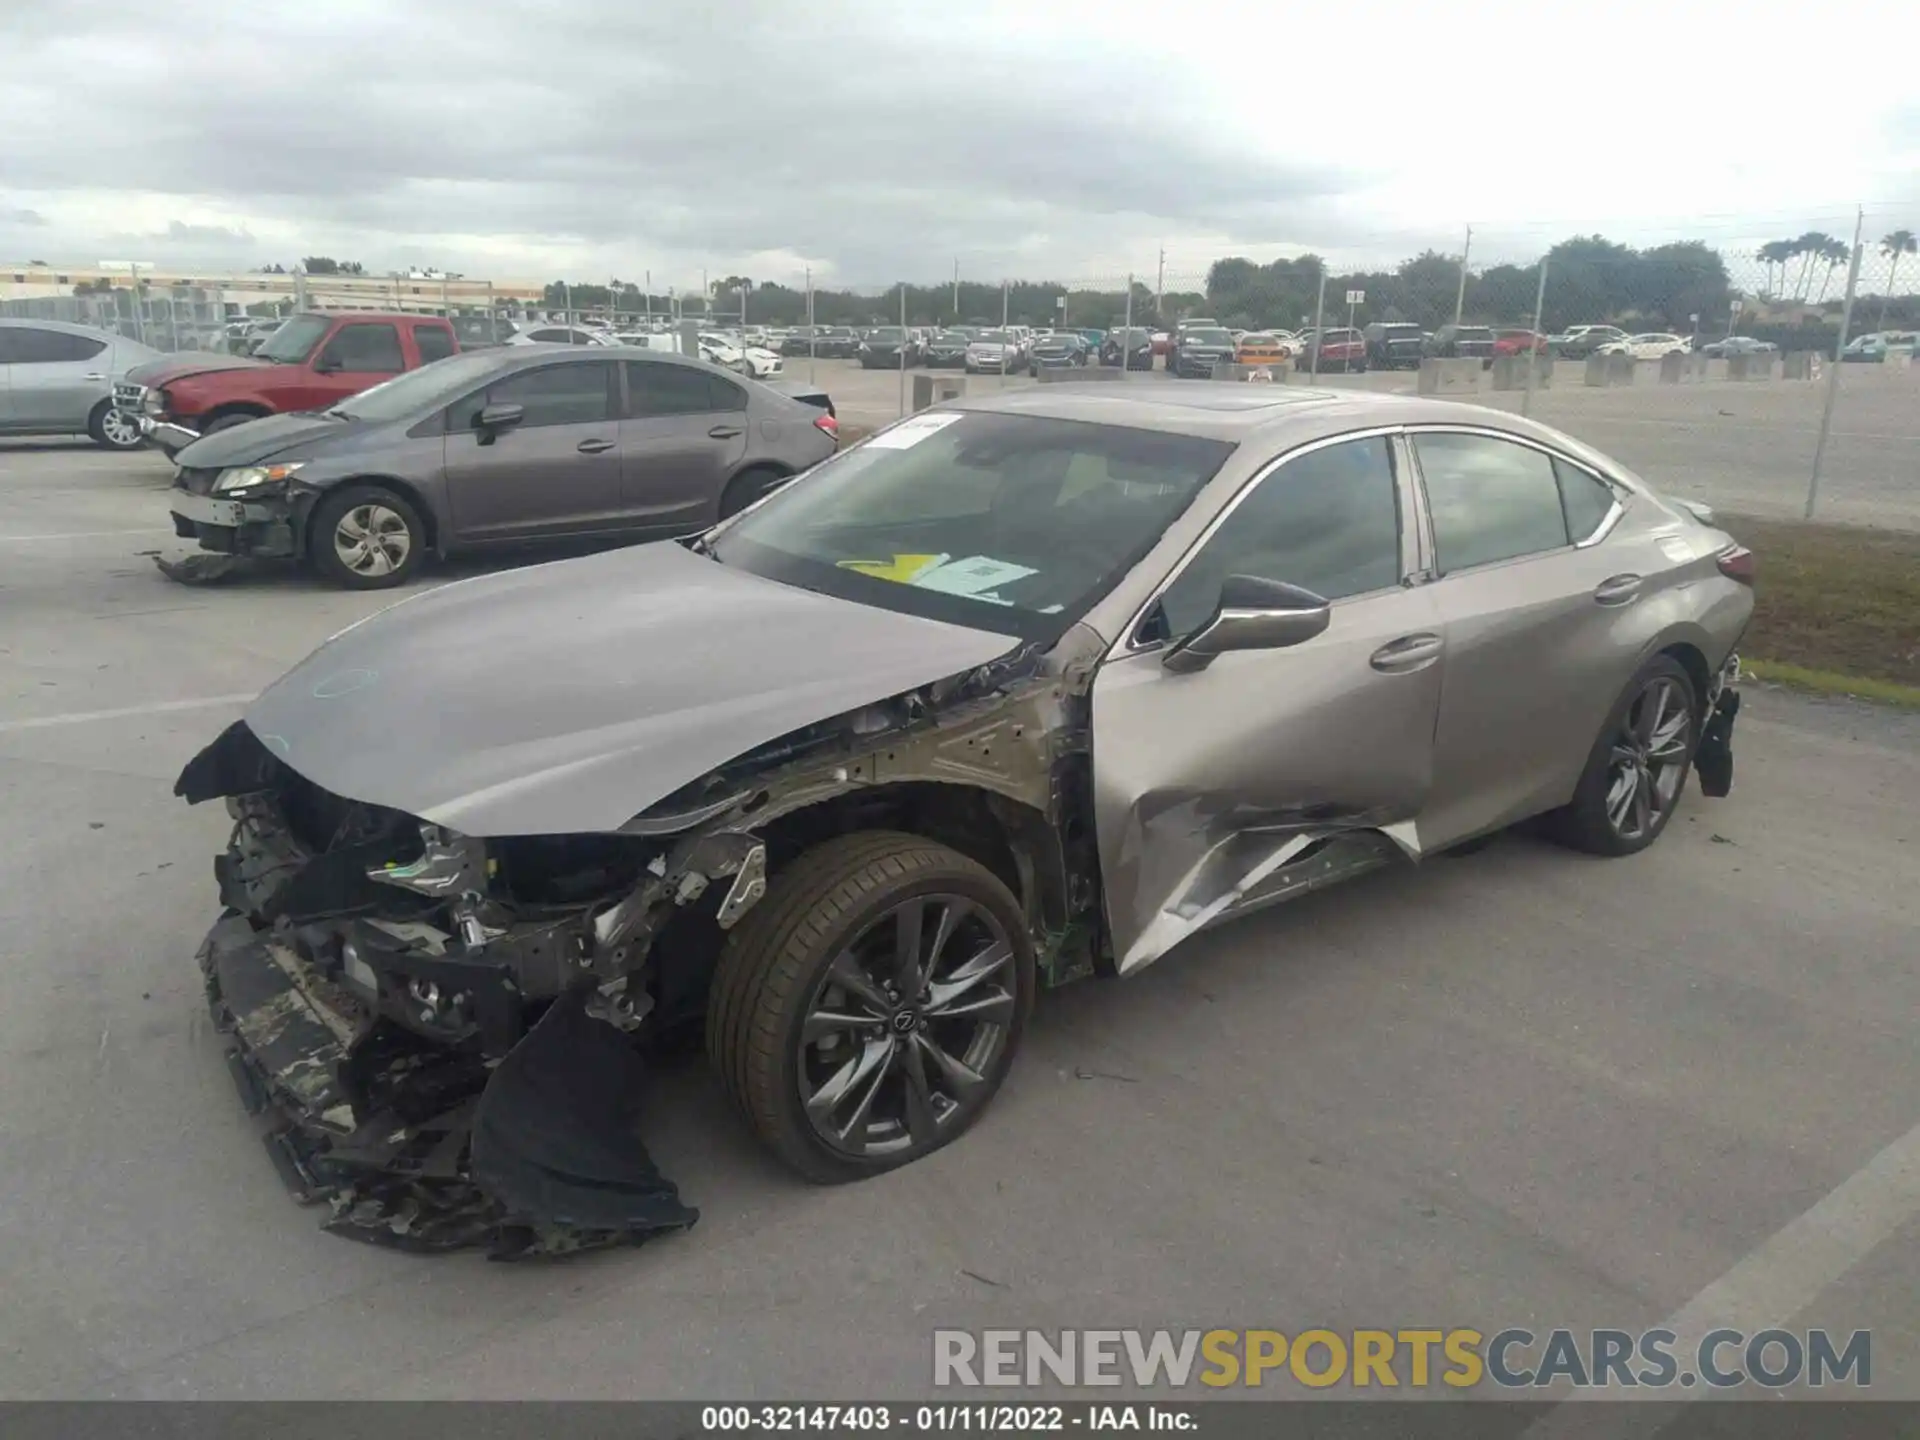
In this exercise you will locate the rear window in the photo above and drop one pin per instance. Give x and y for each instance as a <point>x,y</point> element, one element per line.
<point>1206,337</point>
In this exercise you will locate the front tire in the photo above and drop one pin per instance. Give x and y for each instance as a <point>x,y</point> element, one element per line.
<point>1637,770</point>
<point>362,537</point>
<point>113,429</point>
<point>866,1011</point>
<point>227,422</point>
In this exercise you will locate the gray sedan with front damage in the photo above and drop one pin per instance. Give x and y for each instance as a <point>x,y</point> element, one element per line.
<point>508,445</point>
<point>1022,689</point>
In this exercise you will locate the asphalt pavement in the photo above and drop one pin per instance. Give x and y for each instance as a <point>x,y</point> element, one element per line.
<point>1519,1087</point>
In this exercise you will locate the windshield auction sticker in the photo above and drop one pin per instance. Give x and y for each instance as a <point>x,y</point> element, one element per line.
<point>911,431</point>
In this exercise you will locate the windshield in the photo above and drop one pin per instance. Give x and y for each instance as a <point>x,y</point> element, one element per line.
<point>1206,337</point>
<point>420,391</point>
<point>1009,523</point>
<point>294,341</point>
<point>993,337</point>
<point>888,335</point>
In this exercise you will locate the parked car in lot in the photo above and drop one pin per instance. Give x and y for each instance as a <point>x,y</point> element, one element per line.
<point>1651,346</point>
<point>1196,349</point>
<point>1056,352</point>
<point>889,348</point>
<point>1517,340</point>
<point>1394,346</point>
<point>1161,340</point>
<point>1875,348</point>
<point>992,352</point>
<point>562,335</point>
<point>1135,345</point>
<point>1333,351</point>
<point>858,773</point>
<point>312,362</point>
<point>1577,342</point>
<point>62,379</point>
<point>509,444</point>
<point>1264,347</point>
<point>1738,345</point>
<point>1462,342</point>
<point>836,342</point>
<point>947,350</point>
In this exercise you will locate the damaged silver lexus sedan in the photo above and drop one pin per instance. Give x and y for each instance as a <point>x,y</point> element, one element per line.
<point>1022,689</point>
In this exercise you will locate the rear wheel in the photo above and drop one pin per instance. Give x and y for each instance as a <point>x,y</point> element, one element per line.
<point>866,1011</point>
<point>366,538</point>
<point>113,429</point>
<point>1638,767</point>
<point>747,487</point>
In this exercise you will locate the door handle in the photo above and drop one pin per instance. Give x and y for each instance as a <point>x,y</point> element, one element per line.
<point>1617,589</point>
<point>724,432</point>
<point>93,375</point>
<point>1408,653</point>
<point>593,447</point>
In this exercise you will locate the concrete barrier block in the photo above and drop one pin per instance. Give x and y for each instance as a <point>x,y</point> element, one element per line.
<point>931,389</point>
<point>1277,373</point>
<point>1449,377</point>
<point>1801,365</point>
<point>1620,369</point>
<point>1672,367</point>
<point>1897,360</point>
<point>1596,373</point>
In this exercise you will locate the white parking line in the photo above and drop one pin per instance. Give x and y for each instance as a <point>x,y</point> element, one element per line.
<point>160,707</point>
<point>80,535</point>
<point>1768,1287</point>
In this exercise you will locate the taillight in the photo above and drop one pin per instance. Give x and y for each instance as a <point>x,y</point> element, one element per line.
<point>1736,562</point>
<point>828,424</point>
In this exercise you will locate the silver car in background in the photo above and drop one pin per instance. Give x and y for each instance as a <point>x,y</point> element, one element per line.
<point>57,379</point>
<point>1026,688</point>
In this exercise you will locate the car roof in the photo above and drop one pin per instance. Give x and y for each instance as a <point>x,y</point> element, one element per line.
<point>65,327</point>
<point>1286,414</point>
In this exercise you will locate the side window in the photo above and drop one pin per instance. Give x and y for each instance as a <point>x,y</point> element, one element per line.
<point>433,342</point>
<point>1328,521</point>
<point>51,347</point>
<point>1490,499</point>
<point>571,394</point>
<point>365,348</point>
<point>9,344</point>
<point>1585,498</point>
<point>659,387</point>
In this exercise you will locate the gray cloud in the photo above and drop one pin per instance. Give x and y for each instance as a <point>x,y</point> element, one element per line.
<point>738,128</point>
<point>23,218</point>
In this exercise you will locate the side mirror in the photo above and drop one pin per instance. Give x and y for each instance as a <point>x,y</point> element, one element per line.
<point>1253,614</point>
<point>492,419</point>
<point>327,364</point>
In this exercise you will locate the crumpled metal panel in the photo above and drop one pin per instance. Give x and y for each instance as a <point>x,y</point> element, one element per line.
<point>566,698</point>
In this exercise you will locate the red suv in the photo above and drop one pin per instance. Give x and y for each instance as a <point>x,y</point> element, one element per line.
<point>312,362</point>
<point>1340,349</point>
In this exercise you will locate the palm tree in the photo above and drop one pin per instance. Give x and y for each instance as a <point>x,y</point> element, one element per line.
<point>1836,253</point>
<point>1776,253</point>
<point>1812,246</point>
<point>1900,242</point>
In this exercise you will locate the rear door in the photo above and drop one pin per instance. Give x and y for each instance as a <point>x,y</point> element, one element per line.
<point>1203,778</point>
<point>433,342</point>
<point>56,378</point>
<point>1532,601</point>
<point>684,432</point>
<point>357,356</point>
<point>555,473</point>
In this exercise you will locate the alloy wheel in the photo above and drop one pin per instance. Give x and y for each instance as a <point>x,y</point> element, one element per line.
<point>121,430</point>
<point>906,1026</point>
<point>372,540</point>
<point>1648,763</point>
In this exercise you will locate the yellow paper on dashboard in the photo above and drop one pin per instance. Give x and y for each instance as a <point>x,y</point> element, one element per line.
<point>903,568</point>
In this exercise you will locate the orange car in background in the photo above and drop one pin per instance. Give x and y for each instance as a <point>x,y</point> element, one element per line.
<point>1261,347</point>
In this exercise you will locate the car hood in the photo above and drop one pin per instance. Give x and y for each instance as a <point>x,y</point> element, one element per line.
<point>267,438</point>
<point>168,368</point>
<point>567,698</point>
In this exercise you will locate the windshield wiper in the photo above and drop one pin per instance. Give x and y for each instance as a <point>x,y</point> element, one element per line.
<point>338,414</point>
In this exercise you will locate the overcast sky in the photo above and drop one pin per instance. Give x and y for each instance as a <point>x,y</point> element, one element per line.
<point>873,141</point>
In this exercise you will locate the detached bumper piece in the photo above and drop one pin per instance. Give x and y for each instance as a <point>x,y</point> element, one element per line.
<point>429,1149</point>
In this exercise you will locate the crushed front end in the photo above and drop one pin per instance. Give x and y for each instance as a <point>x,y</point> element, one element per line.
<point>440,1030</point>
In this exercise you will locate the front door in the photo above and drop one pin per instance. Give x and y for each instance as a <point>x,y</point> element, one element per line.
<point>358,356</point>
<point>685,431</point>
<point>1204,781</point>
<point>555,473</point>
